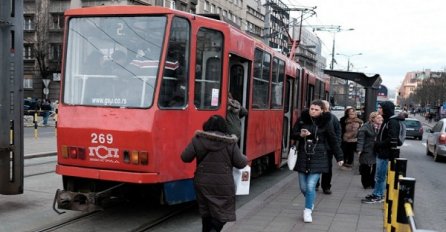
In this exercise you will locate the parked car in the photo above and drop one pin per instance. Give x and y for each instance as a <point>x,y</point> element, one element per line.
<point>414,128</point>
<point>436,140</point>
<point>29,106</point>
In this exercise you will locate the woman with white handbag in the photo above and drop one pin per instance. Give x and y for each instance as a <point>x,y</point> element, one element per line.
<point>217,153</point>
<point>314,132</point>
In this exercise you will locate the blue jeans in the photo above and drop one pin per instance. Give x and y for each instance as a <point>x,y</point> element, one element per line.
<point>380,177</point>
<point>307,183</point>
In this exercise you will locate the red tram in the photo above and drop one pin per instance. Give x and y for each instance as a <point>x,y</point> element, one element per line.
<point>138,81</point>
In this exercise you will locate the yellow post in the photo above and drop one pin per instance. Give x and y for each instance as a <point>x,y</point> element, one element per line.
<point>388,196</point>
<point>36,132</point>
<point>406,192</point>
<point>400,172</point>
<point>55,123</point>
<point>11,132</point>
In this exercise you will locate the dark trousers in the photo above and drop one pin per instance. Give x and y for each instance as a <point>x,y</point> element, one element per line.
<point>349,149</point>
<point>211,224</point>
<point>367,175</point>
<point>325,180</point>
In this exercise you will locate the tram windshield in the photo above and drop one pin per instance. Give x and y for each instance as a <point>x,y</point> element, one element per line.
<point>113,61</point>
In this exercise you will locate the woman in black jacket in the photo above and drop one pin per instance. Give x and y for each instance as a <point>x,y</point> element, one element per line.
<point>216,153</point>
<point>314,131</point>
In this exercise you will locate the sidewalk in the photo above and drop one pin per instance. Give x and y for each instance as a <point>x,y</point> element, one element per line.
<point>280,208</point>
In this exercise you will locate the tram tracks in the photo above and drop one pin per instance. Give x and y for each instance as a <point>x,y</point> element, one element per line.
<point>145,220</point>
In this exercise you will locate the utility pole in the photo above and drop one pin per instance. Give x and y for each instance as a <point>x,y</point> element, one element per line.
<point>346,85</point>
<point>11,97</point>
<point>333,29</point>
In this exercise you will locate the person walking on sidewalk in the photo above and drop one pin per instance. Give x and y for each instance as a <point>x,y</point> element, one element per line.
<point>387,139</point>
<point>349,138</point>
<point>216,153</point>
<point>314,132</point>
<point>366,141</point>
<point>326,177</point>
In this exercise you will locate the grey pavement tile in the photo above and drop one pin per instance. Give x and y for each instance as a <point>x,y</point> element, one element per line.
<point>279,227</point>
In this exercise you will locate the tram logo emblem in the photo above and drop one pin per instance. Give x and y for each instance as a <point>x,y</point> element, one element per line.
<point>102,152</point>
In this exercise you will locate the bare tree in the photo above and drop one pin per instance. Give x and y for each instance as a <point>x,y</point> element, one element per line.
<point>432,91</point>
<point>41,45</point>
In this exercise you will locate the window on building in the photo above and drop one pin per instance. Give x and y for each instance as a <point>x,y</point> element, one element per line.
<point>29,23</point>
<point>208,71</point>
<point>57,21</point>
<point>55,52</point>
<point>225,13</point>
<point>212,8</point>
<point>206,5</point>
<point>27,83</point>
<point>262,62</point>
<point>28,51</point>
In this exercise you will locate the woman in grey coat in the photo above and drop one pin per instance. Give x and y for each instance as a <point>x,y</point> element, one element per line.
<point>216,153</point>
<point>367,158</point>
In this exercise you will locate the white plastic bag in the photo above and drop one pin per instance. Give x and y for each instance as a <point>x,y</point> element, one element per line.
<point>242,180</point>
<point>292,158</point>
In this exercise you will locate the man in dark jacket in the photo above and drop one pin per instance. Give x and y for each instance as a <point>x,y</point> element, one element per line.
<point>326,177</point>
<point>386,142</point>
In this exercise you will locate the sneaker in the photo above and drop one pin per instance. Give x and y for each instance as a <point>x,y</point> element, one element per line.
<point>370,196</point>
<point>375,199</point>
<point>307,215</point>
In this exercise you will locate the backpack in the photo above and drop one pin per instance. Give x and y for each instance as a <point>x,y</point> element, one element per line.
<point>401,133</point>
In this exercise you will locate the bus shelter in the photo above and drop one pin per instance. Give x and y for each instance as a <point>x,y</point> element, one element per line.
<point>371,85</point>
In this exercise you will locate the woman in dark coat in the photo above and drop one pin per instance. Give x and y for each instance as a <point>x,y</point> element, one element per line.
<point>367,157</point>
<point>216,153</point>
<point>314,132</point>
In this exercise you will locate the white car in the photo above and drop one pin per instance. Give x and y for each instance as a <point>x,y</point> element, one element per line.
<point>436,140</point>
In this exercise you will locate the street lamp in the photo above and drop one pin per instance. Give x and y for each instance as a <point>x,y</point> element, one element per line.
<point>333,29</point>
<point>348,70</point>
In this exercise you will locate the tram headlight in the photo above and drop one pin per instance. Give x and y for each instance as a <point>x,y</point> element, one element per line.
<point>134,157</point>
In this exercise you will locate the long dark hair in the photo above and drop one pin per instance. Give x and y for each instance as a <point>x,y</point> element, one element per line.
<point>216,123</point>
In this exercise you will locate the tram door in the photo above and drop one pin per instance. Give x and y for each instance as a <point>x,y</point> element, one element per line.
<point>238,83</point>
<point>287,117</point>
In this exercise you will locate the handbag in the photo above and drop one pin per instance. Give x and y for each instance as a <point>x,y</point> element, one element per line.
<point>242,180</point>
<point>292,158</point>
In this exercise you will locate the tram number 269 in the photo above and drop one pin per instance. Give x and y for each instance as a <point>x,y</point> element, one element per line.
<point>101,138</point>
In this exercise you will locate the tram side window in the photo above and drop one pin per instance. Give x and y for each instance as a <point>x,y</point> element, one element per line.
<point>262,62</point>
<point>174,89</point>
<point>278,74</point>
<point>317,89</point>
<point>310,94</point>
<point>208,71</point>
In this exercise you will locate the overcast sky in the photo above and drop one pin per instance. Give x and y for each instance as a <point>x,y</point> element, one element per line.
<point>394,36</point>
